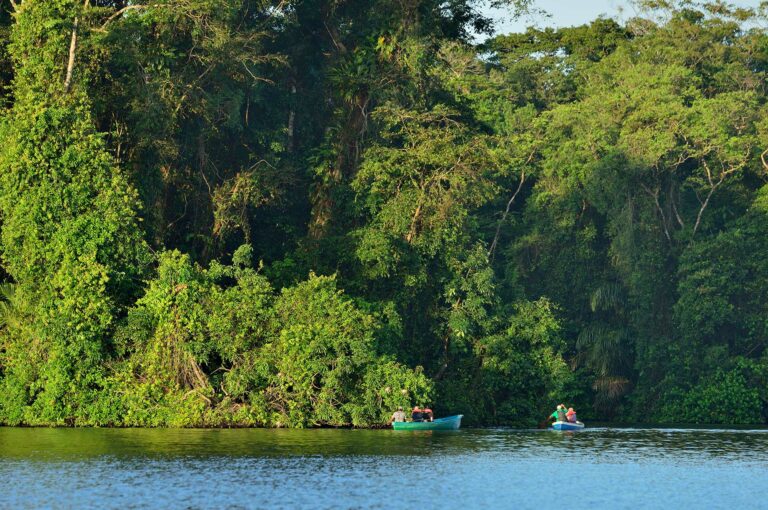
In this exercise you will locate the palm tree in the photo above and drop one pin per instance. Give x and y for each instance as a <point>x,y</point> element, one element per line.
<point>604,346</point>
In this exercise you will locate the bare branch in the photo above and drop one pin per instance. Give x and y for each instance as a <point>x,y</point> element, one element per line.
<point>762,158</point>
<point>725,172</point>
<point>492,249</point>
<point>673,205</point>
<point>655,195</point>
<point>256,78</point>
<point>701,209</point>
<point>677,215</point>
<point>118,13</point>
<point>415,218</point>
<point>71,62</point>
<point>709,172</point>
<point>335,38</point>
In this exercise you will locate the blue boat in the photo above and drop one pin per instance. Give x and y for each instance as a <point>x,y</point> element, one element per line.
<point>447,423</point>
<point>566,425</point>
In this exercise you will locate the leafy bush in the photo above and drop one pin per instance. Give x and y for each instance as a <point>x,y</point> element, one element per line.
<point>218,347</point>
<point>726,397</point>
<point>523,371</point>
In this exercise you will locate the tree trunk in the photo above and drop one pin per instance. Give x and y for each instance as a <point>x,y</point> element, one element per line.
<point>71,63</point>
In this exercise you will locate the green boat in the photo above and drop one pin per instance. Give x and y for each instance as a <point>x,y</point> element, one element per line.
<point>447,423</point>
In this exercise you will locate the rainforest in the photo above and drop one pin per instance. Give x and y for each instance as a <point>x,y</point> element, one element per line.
<point>304,213</point>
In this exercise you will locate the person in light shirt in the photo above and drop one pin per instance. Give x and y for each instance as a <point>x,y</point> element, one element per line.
<point>398,415</point>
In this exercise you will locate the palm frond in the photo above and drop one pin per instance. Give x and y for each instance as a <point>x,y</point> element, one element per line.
<point>608,296</point>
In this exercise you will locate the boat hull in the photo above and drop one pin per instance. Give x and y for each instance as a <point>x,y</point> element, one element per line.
<point>563,425</point>
<point>447,423</point>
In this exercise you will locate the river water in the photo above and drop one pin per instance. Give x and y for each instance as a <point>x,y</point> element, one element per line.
<point>247,468</point>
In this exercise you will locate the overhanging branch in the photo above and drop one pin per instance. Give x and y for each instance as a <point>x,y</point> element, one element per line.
<point>117,14</point>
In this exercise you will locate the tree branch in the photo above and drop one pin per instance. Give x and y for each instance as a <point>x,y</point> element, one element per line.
<point>492,249</point>
<point>118,13</point>
<point>712,187</point>
<point>414,220</point>
<point>701,209</point>
<point>655,195</point>
<point>677,215</point>
<point>709,172</point>
<point>335,38</point>
<point>71,62</point>
<point>673,206</point>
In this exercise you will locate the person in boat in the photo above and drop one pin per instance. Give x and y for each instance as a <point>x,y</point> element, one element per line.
<point>417,414</point>
<point>571,415</point>
<point>427,414</point>
<point>398,415</point>
<point>559,414</point>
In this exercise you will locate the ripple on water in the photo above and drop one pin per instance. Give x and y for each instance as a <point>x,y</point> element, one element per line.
<point>615,468</point>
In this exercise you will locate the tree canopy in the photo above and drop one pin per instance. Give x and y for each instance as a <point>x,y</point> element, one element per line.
<point>310,212</point>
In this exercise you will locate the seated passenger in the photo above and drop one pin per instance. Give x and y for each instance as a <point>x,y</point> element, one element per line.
<point>427,414</point>
<point>417,415</point>
<point>559,414</point>
<point>571,415</point>
<point>398,415</point>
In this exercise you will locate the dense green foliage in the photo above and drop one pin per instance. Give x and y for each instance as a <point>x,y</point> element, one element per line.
<point>310,212</point>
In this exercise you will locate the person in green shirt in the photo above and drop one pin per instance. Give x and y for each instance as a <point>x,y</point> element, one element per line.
<point>559,414</point>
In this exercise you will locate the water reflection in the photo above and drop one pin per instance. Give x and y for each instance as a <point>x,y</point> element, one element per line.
<point>76,444</point>
<point>65,468</point>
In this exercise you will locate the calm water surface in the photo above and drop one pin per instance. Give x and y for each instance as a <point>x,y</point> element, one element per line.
<point>595,468</point>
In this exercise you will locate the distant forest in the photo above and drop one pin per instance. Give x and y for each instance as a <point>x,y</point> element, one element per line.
<point>305,213</point>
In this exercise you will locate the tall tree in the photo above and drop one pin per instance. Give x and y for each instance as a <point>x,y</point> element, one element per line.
<point>71,240</point>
